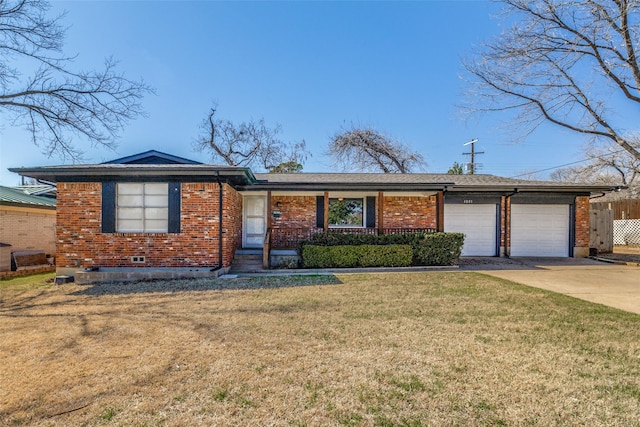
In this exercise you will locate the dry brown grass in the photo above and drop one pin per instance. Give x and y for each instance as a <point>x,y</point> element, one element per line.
<point>409,349</point>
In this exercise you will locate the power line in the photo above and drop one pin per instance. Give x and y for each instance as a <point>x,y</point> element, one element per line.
<point>568,164</point>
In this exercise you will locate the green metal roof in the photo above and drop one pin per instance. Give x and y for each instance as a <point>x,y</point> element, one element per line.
<point>11,196</point>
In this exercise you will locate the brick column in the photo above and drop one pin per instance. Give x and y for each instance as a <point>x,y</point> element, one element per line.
<point>440,211</point>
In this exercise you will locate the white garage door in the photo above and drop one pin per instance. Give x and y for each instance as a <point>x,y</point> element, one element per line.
<point>477,222</point>
<point>540,230</point>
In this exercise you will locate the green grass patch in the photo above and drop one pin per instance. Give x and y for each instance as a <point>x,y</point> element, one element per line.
<point>36,281</point>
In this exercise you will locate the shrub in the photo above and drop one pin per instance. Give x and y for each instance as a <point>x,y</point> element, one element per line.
<point>438,249</point>
<point>351,239</point>
<point>427,248</point>
<point>314,256</point>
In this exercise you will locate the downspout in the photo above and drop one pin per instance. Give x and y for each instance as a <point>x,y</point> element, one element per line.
<point>440,210</point>
<point>220,219</point>
<point>507,227</point>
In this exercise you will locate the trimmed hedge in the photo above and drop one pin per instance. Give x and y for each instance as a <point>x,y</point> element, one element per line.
<point>337,239</point>
<point>438,249</point>
<point>427,248</point>
<point>314,256</point>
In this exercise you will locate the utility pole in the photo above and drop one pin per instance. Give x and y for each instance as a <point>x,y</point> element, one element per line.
<point>472,167</point>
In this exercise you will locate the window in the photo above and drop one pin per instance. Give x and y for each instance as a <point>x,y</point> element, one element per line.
<point>346,212</point>
<point>142,207</point>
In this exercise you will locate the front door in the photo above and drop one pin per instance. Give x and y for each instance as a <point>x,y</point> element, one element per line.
<point>254,221</point>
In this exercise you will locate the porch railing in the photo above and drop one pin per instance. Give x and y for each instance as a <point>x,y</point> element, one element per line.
<point>289,238</point>
<point>266,250</point>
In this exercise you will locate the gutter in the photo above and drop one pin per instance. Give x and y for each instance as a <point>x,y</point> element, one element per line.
<point>616,189</point>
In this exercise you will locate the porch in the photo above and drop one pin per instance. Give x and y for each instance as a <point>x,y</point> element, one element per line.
<point>279,221</point>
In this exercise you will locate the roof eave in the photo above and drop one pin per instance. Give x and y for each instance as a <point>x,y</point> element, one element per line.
<point>107,173</point>
<point>535,188</point>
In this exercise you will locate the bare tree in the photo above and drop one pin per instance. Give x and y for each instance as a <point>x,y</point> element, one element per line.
<point>565,62</point>
<point>248,144</point>
<point>54,102</point>
<point>606,165</point>
<point>367,150</point>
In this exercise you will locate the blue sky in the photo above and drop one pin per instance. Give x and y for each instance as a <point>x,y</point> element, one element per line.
<point>312,67</point>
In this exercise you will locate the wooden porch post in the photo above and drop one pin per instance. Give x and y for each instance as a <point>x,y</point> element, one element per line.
<point>440,211</point>
<point>326,211</point>
<point>380,213</point>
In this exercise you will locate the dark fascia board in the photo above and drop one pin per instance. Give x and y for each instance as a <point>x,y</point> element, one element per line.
<point>569,188</point>
<point>137,172</point>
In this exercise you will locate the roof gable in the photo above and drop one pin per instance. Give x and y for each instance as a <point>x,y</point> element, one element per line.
<point>152,157</point>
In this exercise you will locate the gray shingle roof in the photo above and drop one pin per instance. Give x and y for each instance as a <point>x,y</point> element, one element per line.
<point>11,196</point>
<point>453,182</point>
<point>244,179</point>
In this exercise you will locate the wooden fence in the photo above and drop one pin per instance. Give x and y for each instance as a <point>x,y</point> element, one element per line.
<point>622,209</point>
<point>601,229</point>
<point>614,223</point>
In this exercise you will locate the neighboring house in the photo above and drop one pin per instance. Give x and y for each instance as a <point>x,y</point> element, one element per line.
<point>43,190</point>
<point>27,222</point>
<point>158,210</point>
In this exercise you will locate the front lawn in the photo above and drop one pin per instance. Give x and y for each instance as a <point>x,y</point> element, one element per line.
<point>412,349</point>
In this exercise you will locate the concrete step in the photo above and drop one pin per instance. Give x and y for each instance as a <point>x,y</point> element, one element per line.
<point>248,252</point>
<point>247,261</point>
<point>247,257</point>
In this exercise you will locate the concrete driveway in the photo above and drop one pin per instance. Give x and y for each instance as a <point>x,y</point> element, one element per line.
<point>609,284</point>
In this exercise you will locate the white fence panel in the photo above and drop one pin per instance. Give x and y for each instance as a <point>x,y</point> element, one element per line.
<point>626,232</point>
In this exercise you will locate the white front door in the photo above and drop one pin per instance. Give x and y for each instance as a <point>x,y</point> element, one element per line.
<point>254,221</point>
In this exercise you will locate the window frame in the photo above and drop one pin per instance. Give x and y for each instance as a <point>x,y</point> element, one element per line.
<point>149,201</point>
<point>363,223</point>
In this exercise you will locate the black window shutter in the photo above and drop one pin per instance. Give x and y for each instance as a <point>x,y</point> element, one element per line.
<point>174,207</point>
<point>371,212</point>
<point>108,207</point>
<point>320,211</point>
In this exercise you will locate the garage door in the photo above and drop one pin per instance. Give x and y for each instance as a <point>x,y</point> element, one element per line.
<point>477,222</point>
<point>540,230</point>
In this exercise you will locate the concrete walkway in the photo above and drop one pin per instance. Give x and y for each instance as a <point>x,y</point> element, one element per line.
<point>613,285</point>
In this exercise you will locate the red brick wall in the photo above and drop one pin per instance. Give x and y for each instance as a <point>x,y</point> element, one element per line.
<point>505,222</point>
<point>231,223</point>
<point>295,211</point>
<point>82,244</point>
<point>409,212</point>
<point>582,222</point>
<point>399,212</point>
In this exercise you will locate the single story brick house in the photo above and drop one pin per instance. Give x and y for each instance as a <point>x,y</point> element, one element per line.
<point>158,210</point>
